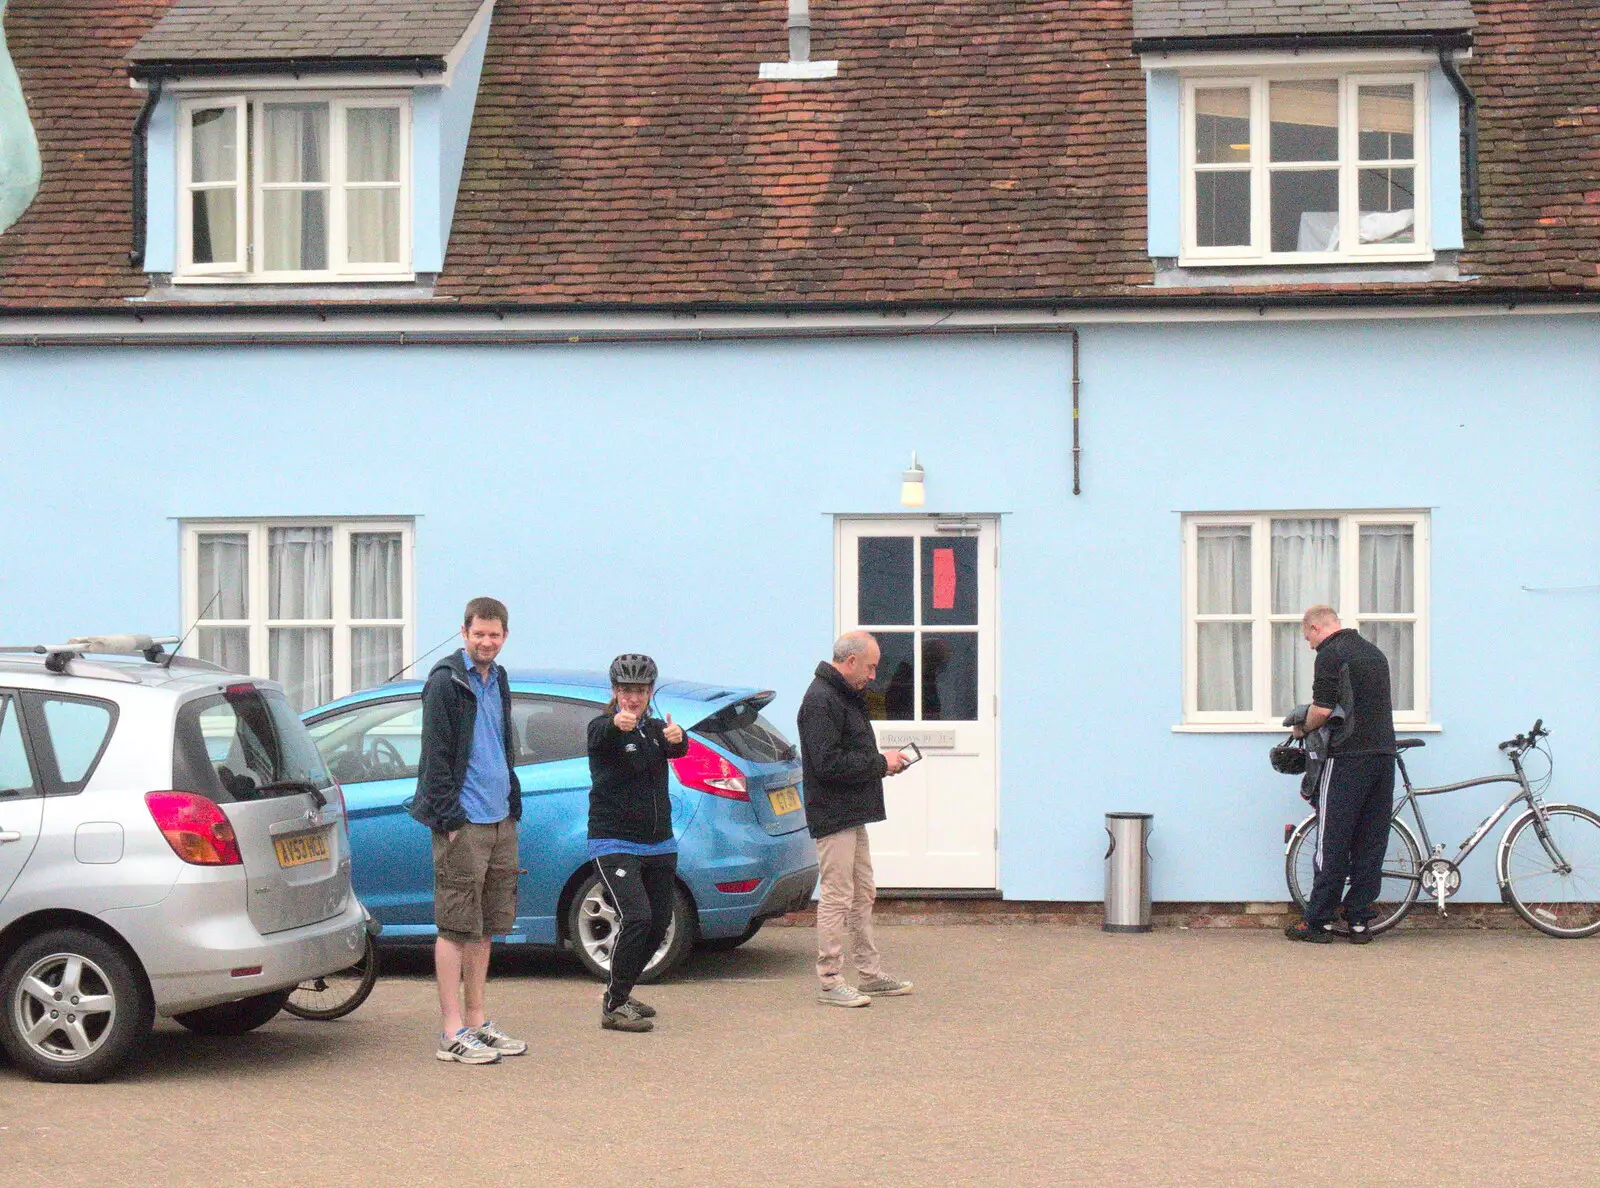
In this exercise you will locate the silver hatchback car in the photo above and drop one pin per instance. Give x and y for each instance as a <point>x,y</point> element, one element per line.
<point>170,843</point>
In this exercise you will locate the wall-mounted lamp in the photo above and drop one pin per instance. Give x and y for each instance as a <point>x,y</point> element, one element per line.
<point>912,491</point>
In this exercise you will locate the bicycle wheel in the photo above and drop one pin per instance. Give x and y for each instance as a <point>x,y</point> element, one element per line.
<point>1402,869</point>
<point>338,994</point>
<point>1560,899</point>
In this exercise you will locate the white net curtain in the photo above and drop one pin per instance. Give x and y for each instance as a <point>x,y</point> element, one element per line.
<point>224,560</point>
<point>300,587</point>
<point>1305,572</point>
<point>1225,655</point>
<point>375,593</point>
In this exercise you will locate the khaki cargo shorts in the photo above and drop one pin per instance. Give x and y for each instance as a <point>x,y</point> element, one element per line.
<point>475,881</point>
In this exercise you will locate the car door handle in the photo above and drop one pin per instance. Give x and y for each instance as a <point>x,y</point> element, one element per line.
<point>9,835</point>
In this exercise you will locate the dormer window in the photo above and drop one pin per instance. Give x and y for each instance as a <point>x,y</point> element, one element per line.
<point>294,188</point>
<point>1304,169</point>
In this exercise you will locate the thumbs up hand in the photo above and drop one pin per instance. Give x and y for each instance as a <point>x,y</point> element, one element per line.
<point>673,732</point>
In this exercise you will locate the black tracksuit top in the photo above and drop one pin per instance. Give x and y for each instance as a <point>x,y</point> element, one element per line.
<point>449,716</point>
<point>628,798</point>
<point>1347,651</point>
<point>844,769</point>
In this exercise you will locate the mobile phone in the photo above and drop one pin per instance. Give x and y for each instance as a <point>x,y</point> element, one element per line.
<point>912,752</point>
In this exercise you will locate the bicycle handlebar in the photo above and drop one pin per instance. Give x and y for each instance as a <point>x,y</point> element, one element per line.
<point>1523,741</point>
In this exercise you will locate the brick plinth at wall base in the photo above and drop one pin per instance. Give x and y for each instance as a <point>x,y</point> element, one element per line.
<point>1163,915</point>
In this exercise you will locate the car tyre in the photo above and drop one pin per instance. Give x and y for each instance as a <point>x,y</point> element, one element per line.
<point>238,1017</point>
<point>59,963</point>
<point>591,930</point>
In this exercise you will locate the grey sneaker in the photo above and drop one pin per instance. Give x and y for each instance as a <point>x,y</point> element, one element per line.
<point>645,1009</point>
<point>883,986</point>
<point>492,1037</point>
<point>626,1017</point>
<point>466,1048</point>
<point>843,996</point>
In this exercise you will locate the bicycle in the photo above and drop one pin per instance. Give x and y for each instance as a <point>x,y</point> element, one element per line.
<point>337,994</point>
<point>1547,867</point>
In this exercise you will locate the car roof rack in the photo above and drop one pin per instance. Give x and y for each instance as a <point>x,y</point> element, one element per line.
<point>151,648</point>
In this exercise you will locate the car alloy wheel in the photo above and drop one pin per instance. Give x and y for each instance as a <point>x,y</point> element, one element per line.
<point>598,930</point>
<point>64,1007</point>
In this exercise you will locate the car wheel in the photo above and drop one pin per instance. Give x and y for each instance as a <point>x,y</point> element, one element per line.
<point>592,931</point>
<point>75,1007</point>
<point>238,1017</point>
<point>726,944</point>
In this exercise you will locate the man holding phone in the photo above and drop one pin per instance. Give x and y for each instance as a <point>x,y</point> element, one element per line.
<point>844,772</point>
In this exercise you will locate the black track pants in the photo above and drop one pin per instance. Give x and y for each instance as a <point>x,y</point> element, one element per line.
<point>641,890</point>
<point>1353,811</point>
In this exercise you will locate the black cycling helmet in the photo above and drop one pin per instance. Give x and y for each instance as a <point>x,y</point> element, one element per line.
<point>1289,757</point>
<point>631,668</point>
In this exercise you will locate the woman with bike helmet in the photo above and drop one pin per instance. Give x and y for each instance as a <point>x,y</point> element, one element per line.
<point>630,830</point>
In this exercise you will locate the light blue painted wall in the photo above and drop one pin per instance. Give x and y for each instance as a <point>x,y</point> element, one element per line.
<point>161,187</point>
<point>428,231</point>
<point>1163,137</point>
<point>456,110</point>
<point>1444,161</point>
<point>1164,160</point>
<point>674,498</point>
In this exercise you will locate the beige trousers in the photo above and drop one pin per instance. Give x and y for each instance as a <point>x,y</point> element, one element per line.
<point>844,906</point>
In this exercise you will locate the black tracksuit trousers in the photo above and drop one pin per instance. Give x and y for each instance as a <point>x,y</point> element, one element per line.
<point>1355,802</point>
<point>641,890</point>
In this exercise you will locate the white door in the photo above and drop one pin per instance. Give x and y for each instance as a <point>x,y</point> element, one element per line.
<point>21,805</point>
<point>926,588</point>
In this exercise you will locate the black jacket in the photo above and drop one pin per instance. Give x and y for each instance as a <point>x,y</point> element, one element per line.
<point>843,767</point>
<point>1352,672</point>
<point>449,711</point>
<point>628,798</point>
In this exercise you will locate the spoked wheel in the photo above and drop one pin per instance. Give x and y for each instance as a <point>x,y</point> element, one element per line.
<point>337,994</point>
<point>592,927</point>
<point>1555,886</point>
<point>1402,867</point>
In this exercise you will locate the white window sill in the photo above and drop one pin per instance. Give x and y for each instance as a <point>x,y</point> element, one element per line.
<point>1400,728</point>
<point>319,278</point>
<point>1305,260</point>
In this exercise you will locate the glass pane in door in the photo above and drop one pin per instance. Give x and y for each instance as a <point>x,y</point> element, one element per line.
<point>892,697</point>
<point>950,676</point>
<point>883,584</point>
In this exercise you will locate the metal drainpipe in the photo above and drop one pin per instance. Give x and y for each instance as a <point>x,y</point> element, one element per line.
<point>140,168</point>
<point>1469,113</point>
<point>799,30</point>
<point>1077,450</point>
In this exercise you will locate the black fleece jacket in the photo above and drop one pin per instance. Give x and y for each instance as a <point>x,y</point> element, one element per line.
<point>628,798</point>
<point>449,712</point>
<point>844,769</point>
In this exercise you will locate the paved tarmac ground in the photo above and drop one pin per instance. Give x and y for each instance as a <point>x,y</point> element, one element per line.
<point>1028,1055</point>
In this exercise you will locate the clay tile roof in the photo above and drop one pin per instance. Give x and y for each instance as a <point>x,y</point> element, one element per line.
<point>967,151</point>
<point>1266,18</point>
<point>254,30</point>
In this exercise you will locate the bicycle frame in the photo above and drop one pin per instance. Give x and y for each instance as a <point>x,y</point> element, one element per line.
<point>1524,793</point>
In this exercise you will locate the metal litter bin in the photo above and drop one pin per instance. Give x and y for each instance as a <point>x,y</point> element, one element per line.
<point>1128,872</point>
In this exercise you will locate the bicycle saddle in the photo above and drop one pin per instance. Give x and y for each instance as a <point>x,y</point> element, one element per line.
<point>1405,744</point>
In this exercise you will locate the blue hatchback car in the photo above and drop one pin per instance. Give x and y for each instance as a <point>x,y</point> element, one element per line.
<point>737,810</point>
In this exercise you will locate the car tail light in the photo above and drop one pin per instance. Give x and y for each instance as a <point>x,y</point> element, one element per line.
<point>740,887</point>
<point>195,828</point>
<point>706,771</point>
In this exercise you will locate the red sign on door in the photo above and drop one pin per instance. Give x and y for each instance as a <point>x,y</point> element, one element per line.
<point>944,579</point>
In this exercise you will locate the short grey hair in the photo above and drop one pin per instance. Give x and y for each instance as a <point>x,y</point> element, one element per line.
<point>851,643</point>
<point>1320,615</point>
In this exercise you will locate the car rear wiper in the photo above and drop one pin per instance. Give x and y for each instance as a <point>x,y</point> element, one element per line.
<point>297,786</point>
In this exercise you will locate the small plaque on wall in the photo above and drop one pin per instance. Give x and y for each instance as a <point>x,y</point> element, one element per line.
<point>928,739</point>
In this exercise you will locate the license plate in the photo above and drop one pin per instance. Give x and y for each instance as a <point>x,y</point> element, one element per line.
<point>784,800</point>
<point>301,848</point>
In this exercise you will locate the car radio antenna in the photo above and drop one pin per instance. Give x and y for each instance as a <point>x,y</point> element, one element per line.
<point>429,652</point>
<point>166,661</point>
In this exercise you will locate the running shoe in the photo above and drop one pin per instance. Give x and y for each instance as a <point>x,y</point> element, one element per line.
<point>626,1017</point>
<point>464,1047</point>
<point>883,986</point>
<point>843,996</point>
<point>492,1037</point>
<point>1302,931</point>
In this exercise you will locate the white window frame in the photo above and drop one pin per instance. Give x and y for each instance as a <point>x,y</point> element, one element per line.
<point>249,213</point>
<point>258,622</point>
<point>1260,718</point>
<point>1351,250</point>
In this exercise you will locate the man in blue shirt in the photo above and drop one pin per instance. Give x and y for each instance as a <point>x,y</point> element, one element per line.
<point>467,793</point>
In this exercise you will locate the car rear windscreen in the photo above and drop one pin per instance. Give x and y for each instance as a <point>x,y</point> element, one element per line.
<point>244,743</point>
<point>741,729</point>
